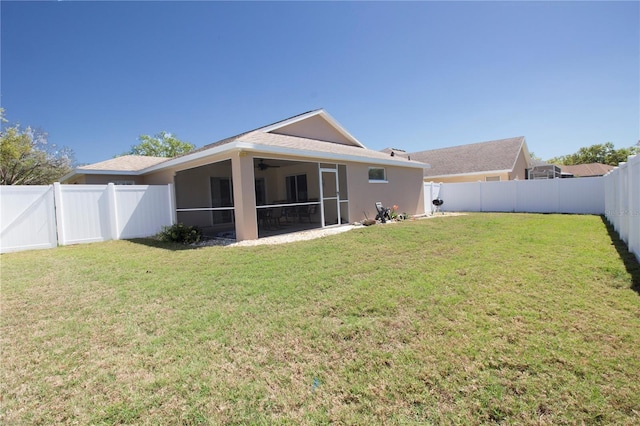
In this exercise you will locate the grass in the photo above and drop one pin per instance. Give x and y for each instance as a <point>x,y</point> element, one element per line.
<point>485,318</point>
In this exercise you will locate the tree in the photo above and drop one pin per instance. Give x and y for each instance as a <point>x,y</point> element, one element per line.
<point>162,144</point>
<point>534,156</point>
<point>26,157</point>
<point>599,153</point>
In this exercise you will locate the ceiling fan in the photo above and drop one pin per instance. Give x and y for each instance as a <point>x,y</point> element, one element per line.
<point>264,166</point>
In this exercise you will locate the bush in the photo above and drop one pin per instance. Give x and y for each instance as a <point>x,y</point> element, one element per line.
<point>179,233</point>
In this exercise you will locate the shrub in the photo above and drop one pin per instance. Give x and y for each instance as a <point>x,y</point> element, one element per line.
<point>179,233</point>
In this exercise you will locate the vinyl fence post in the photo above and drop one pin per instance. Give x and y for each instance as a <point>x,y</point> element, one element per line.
<point>59,210</point>
<point>112,214</point>
<point>172,204</point>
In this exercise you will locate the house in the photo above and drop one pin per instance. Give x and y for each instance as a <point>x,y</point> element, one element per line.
<point>124,170</point>
<point>586,170</point>
<point>504,159</point>
<point>543,170</point>
<point>306,171</point>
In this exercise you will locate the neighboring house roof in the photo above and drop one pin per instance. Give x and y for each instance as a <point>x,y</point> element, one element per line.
<point>313,134</point>
<point>491,156</point>
<point>587,170</point>
<point>125,163</point>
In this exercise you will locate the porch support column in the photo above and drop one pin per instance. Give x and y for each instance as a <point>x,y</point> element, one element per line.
<point>244,196</point>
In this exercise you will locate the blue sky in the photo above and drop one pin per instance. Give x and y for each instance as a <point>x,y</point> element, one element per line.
<point>410,75</point>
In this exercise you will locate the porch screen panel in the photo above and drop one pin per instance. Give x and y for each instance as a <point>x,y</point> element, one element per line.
<point>221,196</point>
<point>204,198</point>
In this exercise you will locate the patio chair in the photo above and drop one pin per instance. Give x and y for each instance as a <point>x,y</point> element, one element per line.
<point>383,213</point>
<point>266,219</point>
<point>307,211</point>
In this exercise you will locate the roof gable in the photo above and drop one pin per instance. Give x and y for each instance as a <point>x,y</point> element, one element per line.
<point>317,125</point>
<point>314,134</point>
<point>274,142</point>
<point>479,157</point>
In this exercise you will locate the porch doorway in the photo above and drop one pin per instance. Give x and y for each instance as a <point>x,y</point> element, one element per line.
<point>333,190</point>
<point>299,195</point>
<point>330,197</point>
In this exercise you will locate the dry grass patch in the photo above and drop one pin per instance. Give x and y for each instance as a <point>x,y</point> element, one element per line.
<point>487,318</point>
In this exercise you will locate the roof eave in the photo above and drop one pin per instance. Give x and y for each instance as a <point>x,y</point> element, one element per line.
<point>249,146</point>
<point>268,149</point>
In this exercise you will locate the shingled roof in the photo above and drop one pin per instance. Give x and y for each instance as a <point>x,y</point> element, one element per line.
<point>497,155</point>
<point>587,170</point>
<point>125,163</point>
<point>283,137</point>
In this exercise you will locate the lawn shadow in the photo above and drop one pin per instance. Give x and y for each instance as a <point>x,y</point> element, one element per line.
<point>629,259</point>
<point>152,242</point>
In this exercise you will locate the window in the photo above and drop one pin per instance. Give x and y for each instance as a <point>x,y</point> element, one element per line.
<point>261,192</point>
<point>377,174</point>
<point>123,182</point>
<point>492,179</point>
<point>296,188</point>
<point>222,196</point>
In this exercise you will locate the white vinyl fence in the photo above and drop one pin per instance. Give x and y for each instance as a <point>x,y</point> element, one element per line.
<point>581,196</point>
<point>431,192</point>
<point>622,202</point>
<point>34,217</point>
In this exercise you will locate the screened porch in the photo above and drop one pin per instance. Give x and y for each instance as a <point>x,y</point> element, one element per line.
<point>289,196</point>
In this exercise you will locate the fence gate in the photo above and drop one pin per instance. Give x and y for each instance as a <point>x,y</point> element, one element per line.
<point>27,218</point>
<point>431,192</point>
<point>38,217</point>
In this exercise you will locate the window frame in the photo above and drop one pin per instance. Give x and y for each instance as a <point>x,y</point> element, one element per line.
<point>294,194</point>
<point>384,175</point>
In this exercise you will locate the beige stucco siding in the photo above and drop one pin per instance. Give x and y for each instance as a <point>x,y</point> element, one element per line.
<point>105,179</point>
<point>480,177</point>
<point>519,170</point>
<point>404,188</point>
<point>162,177</point>
<point>315,128</point>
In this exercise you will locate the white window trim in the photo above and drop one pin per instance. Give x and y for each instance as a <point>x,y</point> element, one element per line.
<point>385,180</point>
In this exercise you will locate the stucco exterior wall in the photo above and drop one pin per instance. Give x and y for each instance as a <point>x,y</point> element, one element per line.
<point>519,170</point>
<point>105,179</point>
<point>314,128</point>
<point>468,178</point>
<point>403,188</point>
<point>162,177</point>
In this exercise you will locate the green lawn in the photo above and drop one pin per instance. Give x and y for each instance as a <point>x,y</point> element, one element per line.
<point>484,318</point>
